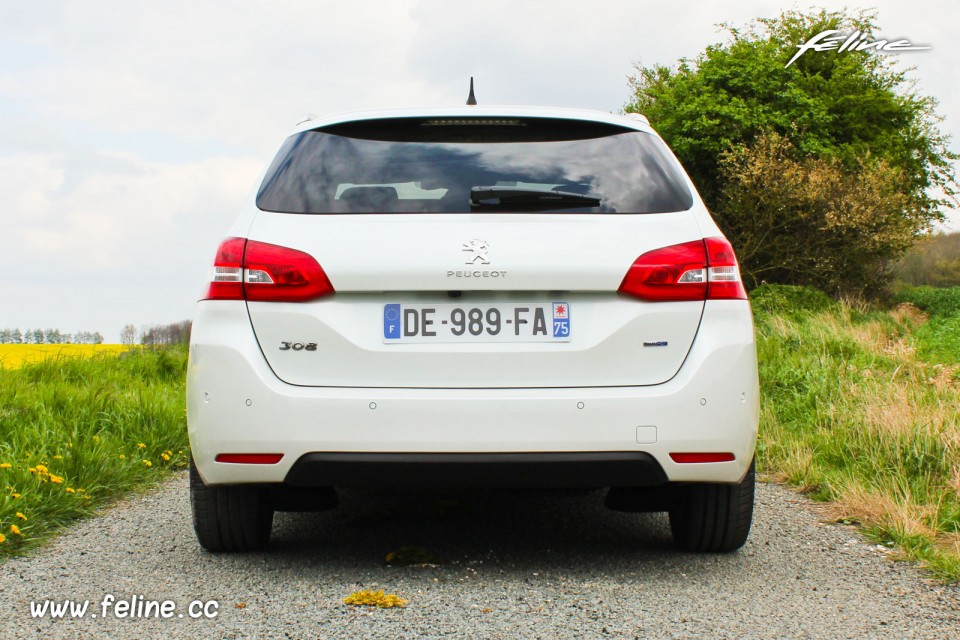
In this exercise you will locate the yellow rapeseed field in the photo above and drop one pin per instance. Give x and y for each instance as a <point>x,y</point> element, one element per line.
<point>15,355</point>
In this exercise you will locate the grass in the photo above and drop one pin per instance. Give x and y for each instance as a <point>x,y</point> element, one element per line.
<point>76,433</point>
<point>861,407</point>
<point>13,356</point>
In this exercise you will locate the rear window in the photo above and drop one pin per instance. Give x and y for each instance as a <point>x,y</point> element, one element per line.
<point>459,165</point>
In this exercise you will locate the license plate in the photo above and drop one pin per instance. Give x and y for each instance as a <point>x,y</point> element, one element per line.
<point>515,322</point>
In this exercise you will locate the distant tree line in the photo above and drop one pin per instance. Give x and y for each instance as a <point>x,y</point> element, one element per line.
<point>934,261</point>
<point>158,335</point>
<point>161,335</point>
<point>49,336</point>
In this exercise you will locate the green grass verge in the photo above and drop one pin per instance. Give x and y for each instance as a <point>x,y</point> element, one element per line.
<point>861,407</point>
<point>76,433</point>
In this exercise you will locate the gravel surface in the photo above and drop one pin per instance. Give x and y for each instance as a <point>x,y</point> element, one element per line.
<point>503,565</point>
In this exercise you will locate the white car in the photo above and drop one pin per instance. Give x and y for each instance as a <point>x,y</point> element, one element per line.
<point>474,296</point>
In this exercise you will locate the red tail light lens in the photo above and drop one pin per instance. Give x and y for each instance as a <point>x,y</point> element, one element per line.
<point>669,274</point>
<point>723,276</point>
<point>226,282</point>
<point>698,270</point>
<point>257,271</point>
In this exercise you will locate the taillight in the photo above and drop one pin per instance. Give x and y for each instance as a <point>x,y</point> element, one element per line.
<point>257,271</point>
<point>698,270</point>
<point>723,274</point>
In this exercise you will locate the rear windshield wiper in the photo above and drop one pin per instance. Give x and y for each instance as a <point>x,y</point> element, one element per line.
<point>505,196</point>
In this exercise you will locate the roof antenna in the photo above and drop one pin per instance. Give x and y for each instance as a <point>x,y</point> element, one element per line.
<point>471,99</point>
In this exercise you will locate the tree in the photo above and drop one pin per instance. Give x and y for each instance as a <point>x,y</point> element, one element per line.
<point>167,334</point>
<point>128,335</point>
<point>844,117</point>
<point>934,261</point>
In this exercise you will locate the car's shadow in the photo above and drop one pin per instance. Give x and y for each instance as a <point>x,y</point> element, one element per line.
<point>508,529</point>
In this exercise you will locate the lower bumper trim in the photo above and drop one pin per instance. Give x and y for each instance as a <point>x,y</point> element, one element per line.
<point>475,470</point>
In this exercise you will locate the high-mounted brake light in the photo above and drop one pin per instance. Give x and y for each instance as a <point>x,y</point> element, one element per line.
<point>257,271</point>
<point>699,270</point>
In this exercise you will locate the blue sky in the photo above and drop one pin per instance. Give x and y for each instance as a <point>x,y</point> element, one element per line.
<point>131,133</point>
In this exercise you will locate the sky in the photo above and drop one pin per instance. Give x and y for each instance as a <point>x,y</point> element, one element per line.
<point>132,133</point>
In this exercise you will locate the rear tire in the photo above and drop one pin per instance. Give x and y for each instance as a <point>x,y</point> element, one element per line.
<point>713,517</point>
<point>230,518</point>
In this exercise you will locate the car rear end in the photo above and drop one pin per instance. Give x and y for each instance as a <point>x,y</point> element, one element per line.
<point>473,297</point>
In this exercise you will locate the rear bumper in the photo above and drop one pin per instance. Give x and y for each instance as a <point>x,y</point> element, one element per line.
<point>567,470</point>
<point>235,404</point>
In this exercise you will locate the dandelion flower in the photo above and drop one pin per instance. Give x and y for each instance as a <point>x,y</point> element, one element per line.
<point>141,446</point>
<point>15,530</point>
<point>3,538</point>
<point>32,470</point>
<point>71,490</point>
<point>56,479</point>
<point>148,463</point>
<point>123,457</point>
<point>165,457</point>
<point>42,469</point>
<point>14,495</point>
<point>81,490</point>
<point>5,465</point>
<point>21,516</point>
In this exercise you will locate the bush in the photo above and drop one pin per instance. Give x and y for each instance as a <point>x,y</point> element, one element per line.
<point>820,173</point>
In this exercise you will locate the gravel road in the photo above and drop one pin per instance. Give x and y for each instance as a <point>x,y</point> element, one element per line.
<point>521,565</point>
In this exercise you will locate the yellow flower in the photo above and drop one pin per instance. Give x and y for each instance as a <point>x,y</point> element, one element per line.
<point>123,457</point>
<point>141,446</point>
<point>41,469</point>
<point>165,457</point>
<point>168,452</point>
<point>376,599</point>
<point>71,490</point>
<point>5,465</point>
<point>56,479</point>
<point>81,490</point>
<point>15,530</point>
<point>58,457</point>
<point>32,470</point>
<point>3,538</point>
<point>95,438</point>
<point>148,463</point>
<point>14,495</point>
<point>21,516</point>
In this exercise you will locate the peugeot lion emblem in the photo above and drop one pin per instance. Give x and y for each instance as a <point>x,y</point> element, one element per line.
<point>478,251</point>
